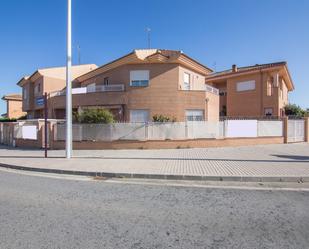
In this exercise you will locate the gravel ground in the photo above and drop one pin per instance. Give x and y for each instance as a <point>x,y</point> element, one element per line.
<point>38,212</point>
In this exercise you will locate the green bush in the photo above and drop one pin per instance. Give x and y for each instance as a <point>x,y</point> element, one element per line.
<point>8,120</point>
<point>94,116</point>
<point>161,118</point>
<point>294,110</point>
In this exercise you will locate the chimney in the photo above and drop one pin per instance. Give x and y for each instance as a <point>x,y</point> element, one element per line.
<point>234,68</point>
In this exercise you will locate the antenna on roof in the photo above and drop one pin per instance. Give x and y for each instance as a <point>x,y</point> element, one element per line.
<point>215,66</point>
<point>148,30</point>
<point>79,55</point>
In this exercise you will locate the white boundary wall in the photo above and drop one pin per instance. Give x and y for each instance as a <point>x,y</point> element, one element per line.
<point>241,128</point>
<point>173,131</point>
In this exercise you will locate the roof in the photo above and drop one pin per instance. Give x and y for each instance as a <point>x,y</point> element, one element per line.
<point>251,69</point>
<point>58,72</point>
<point>143,56</point>
<point>12,96</point>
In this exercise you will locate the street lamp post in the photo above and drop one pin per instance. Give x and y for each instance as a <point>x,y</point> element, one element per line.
<point>68,141</point>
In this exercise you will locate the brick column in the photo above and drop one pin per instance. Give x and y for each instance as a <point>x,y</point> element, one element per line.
<point>285,129</point>
<point>307,129</point>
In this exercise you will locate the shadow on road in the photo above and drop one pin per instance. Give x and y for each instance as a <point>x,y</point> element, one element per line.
<point>293,157</point>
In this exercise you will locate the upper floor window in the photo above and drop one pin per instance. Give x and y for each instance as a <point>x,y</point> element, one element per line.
<point>186,81</point>
<point>245,86</point>
<point>37,89</point>
<point>91,87</point>
<point>222,93</point>
<point>25,93</point>
<point>105,81</point>
<point>269,88</point>
<point>139,78</point>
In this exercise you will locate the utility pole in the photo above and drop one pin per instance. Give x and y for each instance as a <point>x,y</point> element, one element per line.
<point>68,140</point>
<point>45,125</point>
<point>148,30</point>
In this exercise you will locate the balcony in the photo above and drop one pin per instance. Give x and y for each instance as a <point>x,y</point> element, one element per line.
<point>91,89</point>
<point>211,89</point>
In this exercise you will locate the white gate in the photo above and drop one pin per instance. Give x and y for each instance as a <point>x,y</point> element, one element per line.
<point>296,131</point>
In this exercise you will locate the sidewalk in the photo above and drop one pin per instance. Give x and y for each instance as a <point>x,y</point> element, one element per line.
<point>285,162</point>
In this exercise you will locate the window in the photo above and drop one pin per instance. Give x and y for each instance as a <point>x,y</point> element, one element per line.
<point>269,88</point>
<point>194,115</point>
<point>223,93</point>
<point>281,91</point>
<point>25,93</point>
<point>37,89</point>
<point>186,81</point>
<point>245,86</point>
<point>105,81</point>
<point>139,78</point>
<point>139,116</point>
<point>91,87</point>
<point>268,111</point>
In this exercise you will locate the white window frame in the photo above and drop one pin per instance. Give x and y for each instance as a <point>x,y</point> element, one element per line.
<point>145,119</point>
<point>244,86</point>
<point>186,85</point>
<point>192,115</point>
<point>139,78</point>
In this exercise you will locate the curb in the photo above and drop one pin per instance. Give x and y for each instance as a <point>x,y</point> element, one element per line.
<point>162,177</point>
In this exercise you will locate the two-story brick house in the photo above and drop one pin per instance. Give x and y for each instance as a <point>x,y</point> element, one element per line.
<point>142,84</point>
<point>45,80</point>
<point>253,91</point>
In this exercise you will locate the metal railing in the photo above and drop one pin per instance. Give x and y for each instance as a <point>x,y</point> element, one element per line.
<point>211,89</point>
<point>91,89</point>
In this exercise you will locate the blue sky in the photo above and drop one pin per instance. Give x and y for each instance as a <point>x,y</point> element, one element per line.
<point>218,33</point>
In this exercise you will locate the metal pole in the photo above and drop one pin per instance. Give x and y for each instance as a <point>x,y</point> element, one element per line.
<point>68,141</point>
<point>45,124</point>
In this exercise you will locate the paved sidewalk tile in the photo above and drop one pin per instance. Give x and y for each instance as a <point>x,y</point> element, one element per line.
<point>268,160</point>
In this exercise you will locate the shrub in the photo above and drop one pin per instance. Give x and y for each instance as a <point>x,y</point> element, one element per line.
<point>294,110</point>
<point>94,116</point>
<point>161,118</point>
<point>8,120</point>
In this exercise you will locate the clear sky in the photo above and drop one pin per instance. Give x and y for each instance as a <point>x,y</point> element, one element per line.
<point>217,33</point>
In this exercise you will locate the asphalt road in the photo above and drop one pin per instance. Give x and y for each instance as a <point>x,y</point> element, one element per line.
<point>39,212</point>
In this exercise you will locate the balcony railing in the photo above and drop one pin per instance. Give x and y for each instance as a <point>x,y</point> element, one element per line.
<point>92,89</point>
<point>211,89</point>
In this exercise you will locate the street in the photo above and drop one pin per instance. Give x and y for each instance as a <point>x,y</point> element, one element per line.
<point>40,212</point>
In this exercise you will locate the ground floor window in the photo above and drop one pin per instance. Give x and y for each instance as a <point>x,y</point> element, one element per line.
<point>268,111</point>
<point>194,115</point>
<point>137,116</point>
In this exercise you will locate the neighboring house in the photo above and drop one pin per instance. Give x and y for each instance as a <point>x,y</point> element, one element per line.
<point>13,106</point>
<point>253,91</point>
<point>142,84</point>
<point>45,81</point>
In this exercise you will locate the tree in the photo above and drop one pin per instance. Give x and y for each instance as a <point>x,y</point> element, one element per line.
<point>294,110</point>
<point>94,116</point>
